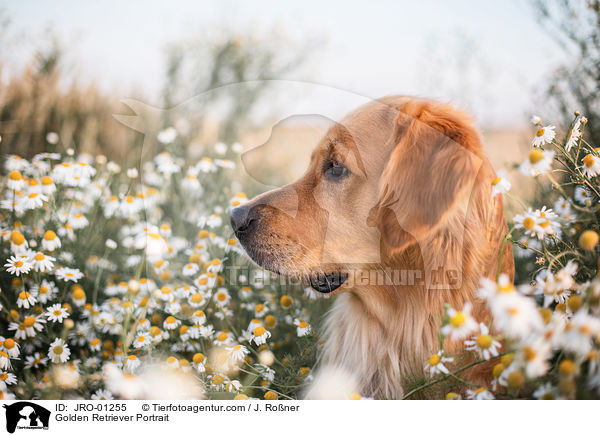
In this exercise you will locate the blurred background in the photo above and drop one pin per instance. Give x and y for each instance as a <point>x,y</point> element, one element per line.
<point>69,67</point>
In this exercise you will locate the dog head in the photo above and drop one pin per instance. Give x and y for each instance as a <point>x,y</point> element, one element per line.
<point>385,178</point>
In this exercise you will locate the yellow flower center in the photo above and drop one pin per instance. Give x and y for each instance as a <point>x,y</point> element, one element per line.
<point>458,319</point>
<point>496,181</point>
<point>539,133</point>
<point>535,156</point>
<point>434,360</point>
<point>49,235</point>
<point>170,320</point>
<point>484,341</point>
<point>528,223</point>
<point>259,331</point>
<point>17,238</point>
<point>9,343</point>
<point>285,302</point>
<point>529,353</point>
<point>18,264</point>
<point>58,349</point>
<point>197,298</point>
<point>39,257</point>
<point>29,321</point>
<point>588,161</point>
<point>222,336</point>
<point>15,175</point>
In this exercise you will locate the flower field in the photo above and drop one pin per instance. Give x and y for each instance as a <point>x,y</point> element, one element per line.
<point>128,283</point>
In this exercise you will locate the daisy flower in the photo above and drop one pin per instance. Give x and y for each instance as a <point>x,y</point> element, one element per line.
<point>190,269</point>
<point>78,221</point>
<point>236,354</point>
<point>206,165</point>
<point>223,338</point>
<point>538,162</point>
<point>4,361</point>
<point>6,379</point>
<point>222,296</point>
<point>199,317</point>
<point>531,223</point>
<point>33,201</point>
<point>479,394</point>
<point>460,323</point>
<point>171,323</point>
<point>18,265</point>
<point>37,360</point>
<point>500,184</point>
<point>42,262</point>
<point>546,392</point>
<point>260,310</point>
<point>18,243</point>
<point>483,343</point>
<point>215,266</point>
<point>25,300</point>
<point>302,327</point>
<point>582,195</point>
<point>167,135</point>
<point>534,356</point>
<point>198,361</point>
<point>435,364</point>
<point>516,315</point>
<point>46,291</point>
<point>591,165</point>
<point>102,394</point>
<point>30,326</point>
<point>95,344</point>
<point>547,221</point>
<point>575,133</point>
<point>543,135</point>
<point>562,208</point>
<point>579,333</point>
<point>11,347</point>
<point>132,363</point>
<point>261,335</point>
<point>50,242</point>
<point>48,186</point>
<point>68,274</point>
<point>555,286</point>
<point>56,313</point>
<point>142,340</point>
<point>15,181</point>
<point>59,351</point>
<point>191,184</point>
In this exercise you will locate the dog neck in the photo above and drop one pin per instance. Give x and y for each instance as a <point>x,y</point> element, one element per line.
<point>383,333</point>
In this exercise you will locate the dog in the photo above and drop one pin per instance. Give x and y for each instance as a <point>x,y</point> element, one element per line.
<point>399,189</point>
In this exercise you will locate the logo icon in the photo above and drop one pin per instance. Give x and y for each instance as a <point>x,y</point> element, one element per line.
<point>26,415</point>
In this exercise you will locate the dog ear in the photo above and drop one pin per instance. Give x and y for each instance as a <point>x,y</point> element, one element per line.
<point>434,164</point>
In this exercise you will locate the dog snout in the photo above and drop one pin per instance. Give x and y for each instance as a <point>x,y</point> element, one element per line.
<point>243,219</point>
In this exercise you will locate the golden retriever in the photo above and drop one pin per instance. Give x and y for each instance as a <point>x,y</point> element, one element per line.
<point>395,214</point>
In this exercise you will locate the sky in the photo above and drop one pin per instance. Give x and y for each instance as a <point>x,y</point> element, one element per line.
<point>488,57</point>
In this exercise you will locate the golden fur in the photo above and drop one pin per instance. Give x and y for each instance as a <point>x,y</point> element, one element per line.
<point>417,198</point>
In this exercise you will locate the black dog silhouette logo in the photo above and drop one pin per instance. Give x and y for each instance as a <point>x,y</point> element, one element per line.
<point>26,415</point>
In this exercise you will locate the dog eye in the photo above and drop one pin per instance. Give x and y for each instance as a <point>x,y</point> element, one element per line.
<point>335,170</point>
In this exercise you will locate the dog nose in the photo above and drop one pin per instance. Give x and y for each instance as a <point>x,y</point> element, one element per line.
<point>242,219</point>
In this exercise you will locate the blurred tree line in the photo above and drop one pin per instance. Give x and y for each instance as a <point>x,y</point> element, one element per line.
<point>575,24</point>
<point>41,99</point>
